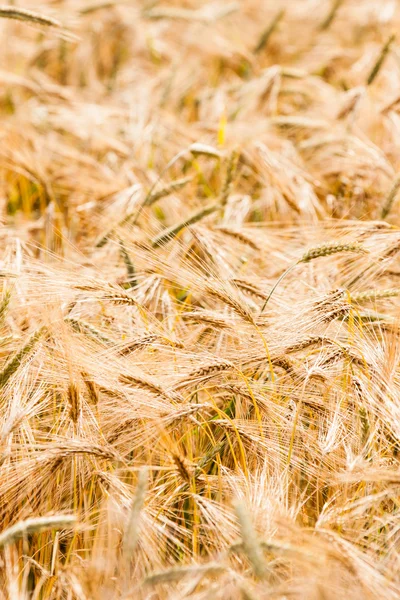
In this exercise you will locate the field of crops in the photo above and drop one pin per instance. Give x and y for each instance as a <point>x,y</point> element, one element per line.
<point>199,300</point>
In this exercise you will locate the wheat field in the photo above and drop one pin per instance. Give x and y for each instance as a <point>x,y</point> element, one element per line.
<point>200,294</point>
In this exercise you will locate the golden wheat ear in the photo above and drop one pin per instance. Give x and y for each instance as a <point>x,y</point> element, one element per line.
<point>28,16</point>
<point>37,19</point>
<point>317,252</point>
<point>36,525</point>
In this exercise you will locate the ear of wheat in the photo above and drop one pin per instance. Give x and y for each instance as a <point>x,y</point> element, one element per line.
<point>35,525</point>
<point>317,252</point>
<point>28,16</point>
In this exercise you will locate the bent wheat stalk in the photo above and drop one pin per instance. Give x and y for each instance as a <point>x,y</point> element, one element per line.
<point>317,252</point>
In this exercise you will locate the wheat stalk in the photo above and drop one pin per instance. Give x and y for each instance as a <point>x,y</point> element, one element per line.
<point>318,252</point>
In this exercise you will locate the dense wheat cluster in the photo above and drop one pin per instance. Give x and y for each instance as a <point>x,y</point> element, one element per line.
<point>199,306</point>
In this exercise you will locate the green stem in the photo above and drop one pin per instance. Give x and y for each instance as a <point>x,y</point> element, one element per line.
<point>277,283</point>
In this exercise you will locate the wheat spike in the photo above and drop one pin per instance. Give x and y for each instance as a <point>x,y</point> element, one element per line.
<point>35,525</point>
<point>129,265</point>
<point>318,252</point>
<point>199,149</point>
<point>28,16</point>
<point>205,372</point>
<point>182,467</point>
<point>4,304</point>
<point>387,207</point>
<point>169,234</point>
<point>14,363</point>
<point>251,546</point>
<point>329,249</point>
<point>91,387</point>
<point>230,174</point>
<point>86,328</point>
<point>239,235</point>
<point>372,295</point>
<point>131,534</point>
<point>231,301</point>
<point>178,573</point>
<point>169,189</point>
